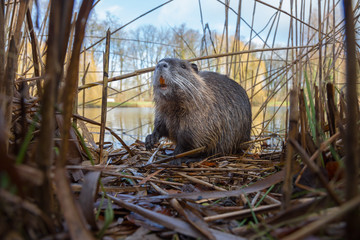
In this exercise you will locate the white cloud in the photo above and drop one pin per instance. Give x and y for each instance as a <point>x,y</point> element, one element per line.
<point>177,12</point>
<point>113,10</point>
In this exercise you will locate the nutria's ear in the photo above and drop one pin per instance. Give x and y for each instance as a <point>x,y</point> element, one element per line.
<point>194,66</point>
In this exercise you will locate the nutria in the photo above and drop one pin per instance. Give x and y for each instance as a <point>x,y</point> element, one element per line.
<point>198,108</point>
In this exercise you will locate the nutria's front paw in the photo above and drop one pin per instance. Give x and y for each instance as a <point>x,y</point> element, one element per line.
<point>150,141</point>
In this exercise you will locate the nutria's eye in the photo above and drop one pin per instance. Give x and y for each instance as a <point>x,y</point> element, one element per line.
<point>183,65</point>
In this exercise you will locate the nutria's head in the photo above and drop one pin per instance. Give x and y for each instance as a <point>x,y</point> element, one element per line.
<point>175,77</point>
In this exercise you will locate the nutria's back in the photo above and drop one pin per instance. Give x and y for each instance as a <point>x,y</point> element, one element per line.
<point>196,109</point>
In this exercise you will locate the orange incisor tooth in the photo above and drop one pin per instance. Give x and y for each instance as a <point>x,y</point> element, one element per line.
<point>162,80</point>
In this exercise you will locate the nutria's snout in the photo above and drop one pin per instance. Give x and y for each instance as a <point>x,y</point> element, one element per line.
<point>161,69</point>
<point>162,82</point>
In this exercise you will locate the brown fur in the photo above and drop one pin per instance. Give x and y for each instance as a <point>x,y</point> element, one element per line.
<point>195,109</point>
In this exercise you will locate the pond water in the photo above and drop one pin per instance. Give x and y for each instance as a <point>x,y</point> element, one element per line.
<point>133,123</point>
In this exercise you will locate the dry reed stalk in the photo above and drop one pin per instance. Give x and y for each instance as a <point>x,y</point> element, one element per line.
<point>170,222</point>
<point>104,96</point>
<point>324,220</point>
<point>320,120</point>
<point>249,48</point>
<point>303,122</point>
<point>2,57</point>
<point>43,25</point>
<point>72,215</point>
<point>65,28</point>
<point>35,51</point>
<point>289,165</point>
<point>243,213</point>
<point>20,20</point>
<point>107,128</point>
<point>11,28</point>
<point>8,81</point>
<point>277,17</point>
<point>194,220</point>
<point>72,76</point>
<point>332,113</point>
<point>203,40</point>
<point>317,117</point>
<point>351,137</point>
<point>44,151</point>
<point>236,44</point>
<point>288,14</point>
<point>112,173</point>
<point>227,2</point>
<point>118,29</point>
<point>150,69</point>
<point>201,182</point>
<point>71,38</point>
<point>83,80</point>
<point>315,169</point>
<point>181,155</point>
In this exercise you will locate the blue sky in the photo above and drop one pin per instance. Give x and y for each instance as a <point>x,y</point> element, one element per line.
<point>187,11</point>
<point>178,12</point>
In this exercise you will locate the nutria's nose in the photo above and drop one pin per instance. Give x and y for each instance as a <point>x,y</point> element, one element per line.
<point>163,65</point>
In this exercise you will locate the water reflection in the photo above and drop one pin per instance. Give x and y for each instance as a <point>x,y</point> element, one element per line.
<point>274,120</point>
<point>133,123</point>
<point>129,123</point>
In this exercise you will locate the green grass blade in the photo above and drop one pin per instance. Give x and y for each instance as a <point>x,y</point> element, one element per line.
<point>82,142</point>
<point>310,111</point>
<point>262,198</point>
<point>24,146</point>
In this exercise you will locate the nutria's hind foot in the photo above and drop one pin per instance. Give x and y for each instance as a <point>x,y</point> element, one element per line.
<point>150,141</point>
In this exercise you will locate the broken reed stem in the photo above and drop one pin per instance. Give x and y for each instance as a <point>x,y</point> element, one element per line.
<point>293,131</point>
<point>351,135</point>
<point>104,95</point>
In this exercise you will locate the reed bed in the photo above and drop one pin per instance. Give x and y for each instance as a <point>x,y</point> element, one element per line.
<point>57,181</point>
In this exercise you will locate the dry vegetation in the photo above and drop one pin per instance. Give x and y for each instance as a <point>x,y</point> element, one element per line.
<point>57,182</point>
